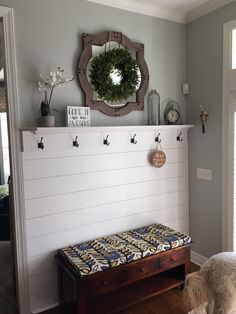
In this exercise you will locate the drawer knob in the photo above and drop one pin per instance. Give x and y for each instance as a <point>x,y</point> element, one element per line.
<point>105,283</point>
<point>141,270</point>
<point>173,260</point>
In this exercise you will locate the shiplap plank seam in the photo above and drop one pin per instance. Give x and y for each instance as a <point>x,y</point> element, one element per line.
<point>101,154</point>
<point>93,189</point>
<point>100,188</point>
<point>104,220</point>
<point>52,155</point>
<point>110,203</point>
<point>110,178</point>
<point>73,201</point>
<point>99,171</point>
<point>52,240</point>
<point>104,187</point>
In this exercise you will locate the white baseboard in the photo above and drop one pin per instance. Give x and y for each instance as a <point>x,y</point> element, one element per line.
<point>197,258</point>
<point>45,308</point>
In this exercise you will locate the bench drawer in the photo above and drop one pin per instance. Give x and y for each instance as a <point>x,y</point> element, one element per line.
<point>132,272</point>
<point>143,269</point>
<point>173,259</point>
<point>106,282</point>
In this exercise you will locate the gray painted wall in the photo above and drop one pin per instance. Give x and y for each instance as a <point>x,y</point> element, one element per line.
<point>204,73</point>
<point>48,34</point>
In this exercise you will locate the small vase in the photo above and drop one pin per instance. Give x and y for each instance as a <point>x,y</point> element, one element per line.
<point>153,108</point>
<point>47,121</point>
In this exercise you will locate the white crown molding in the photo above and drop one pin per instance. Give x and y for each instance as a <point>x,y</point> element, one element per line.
<point>145,8</point>
<point>197,258</point>
<point>162,12</point>
<point>4,11</point>
<point>205,9</point>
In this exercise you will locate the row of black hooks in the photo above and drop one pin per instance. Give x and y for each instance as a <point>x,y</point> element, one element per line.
<point>106,142</point>
<point>134,141</point>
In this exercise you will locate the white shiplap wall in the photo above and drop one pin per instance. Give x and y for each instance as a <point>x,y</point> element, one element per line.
<point>76,194</point>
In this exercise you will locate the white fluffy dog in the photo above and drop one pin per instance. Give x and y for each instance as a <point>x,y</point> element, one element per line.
<point>212,289</point>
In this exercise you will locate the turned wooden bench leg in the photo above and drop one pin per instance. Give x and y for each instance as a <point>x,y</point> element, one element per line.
<point>81,304</point>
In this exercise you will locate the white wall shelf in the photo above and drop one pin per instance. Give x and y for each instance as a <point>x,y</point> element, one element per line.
<point>107,128</point>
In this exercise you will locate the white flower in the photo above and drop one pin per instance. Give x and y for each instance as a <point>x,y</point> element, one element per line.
<point>53,80</point>
<point>42,87</point>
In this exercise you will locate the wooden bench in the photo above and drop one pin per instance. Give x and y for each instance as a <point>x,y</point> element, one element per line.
<point>116,288</point>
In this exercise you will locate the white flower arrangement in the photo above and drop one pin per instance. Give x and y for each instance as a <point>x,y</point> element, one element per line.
<point>47,85</point>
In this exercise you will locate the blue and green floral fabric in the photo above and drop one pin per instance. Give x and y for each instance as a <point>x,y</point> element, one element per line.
<point>121,248</point>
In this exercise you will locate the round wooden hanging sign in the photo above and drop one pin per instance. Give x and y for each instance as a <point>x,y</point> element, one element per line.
<point>158,159</point>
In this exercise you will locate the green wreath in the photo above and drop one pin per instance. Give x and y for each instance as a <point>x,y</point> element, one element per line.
<point>125,67</point>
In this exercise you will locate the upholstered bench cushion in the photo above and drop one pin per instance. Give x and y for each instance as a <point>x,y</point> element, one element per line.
<point>121,248</point>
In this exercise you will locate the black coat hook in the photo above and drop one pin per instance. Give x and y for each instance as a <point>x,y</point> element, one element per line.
<point>133,140</point>
<point>106,142</point>
<point>75,142</point>
<point>179,138</point>
<point>157,139</point>
<point>40,144</point>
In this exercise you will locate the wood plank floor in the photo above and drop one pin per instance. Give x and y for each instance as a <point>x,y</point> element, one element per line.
<point>170,302</point>
<point>7,290</point>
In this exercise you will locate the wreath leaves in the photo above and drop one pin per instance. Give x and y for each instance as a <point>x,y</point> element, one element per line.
<point>101,69</point>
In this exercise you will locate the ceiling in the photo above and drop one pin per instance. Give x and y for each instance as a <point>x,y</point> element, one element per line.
<point>183,11</point>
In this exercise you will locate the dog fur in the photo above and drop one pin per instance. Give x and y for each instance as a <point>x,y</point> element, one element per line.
<point>214,284</point>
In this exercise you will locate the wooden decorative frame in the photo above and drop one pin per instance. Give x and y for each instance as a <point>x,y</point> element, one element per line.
<point>86,55</point>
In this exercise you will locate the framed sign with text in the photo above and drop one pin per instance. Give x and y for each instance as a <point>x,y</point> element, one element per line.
<point>77,116</point>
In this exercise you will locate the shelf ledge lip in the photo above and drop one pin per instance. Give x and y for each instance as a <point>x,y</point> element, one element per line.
<point>105,128</point>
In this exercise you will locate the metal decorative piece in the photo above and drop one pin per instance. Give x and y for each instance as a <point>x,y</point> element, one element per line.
<point>133,140</point>
<point>105,141</point>
<point>203,117</point>
<point>172,113</point>
<point>179,137</point>
<point>153,108</point>
<point>75,143</point>
<point>40,144</point>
